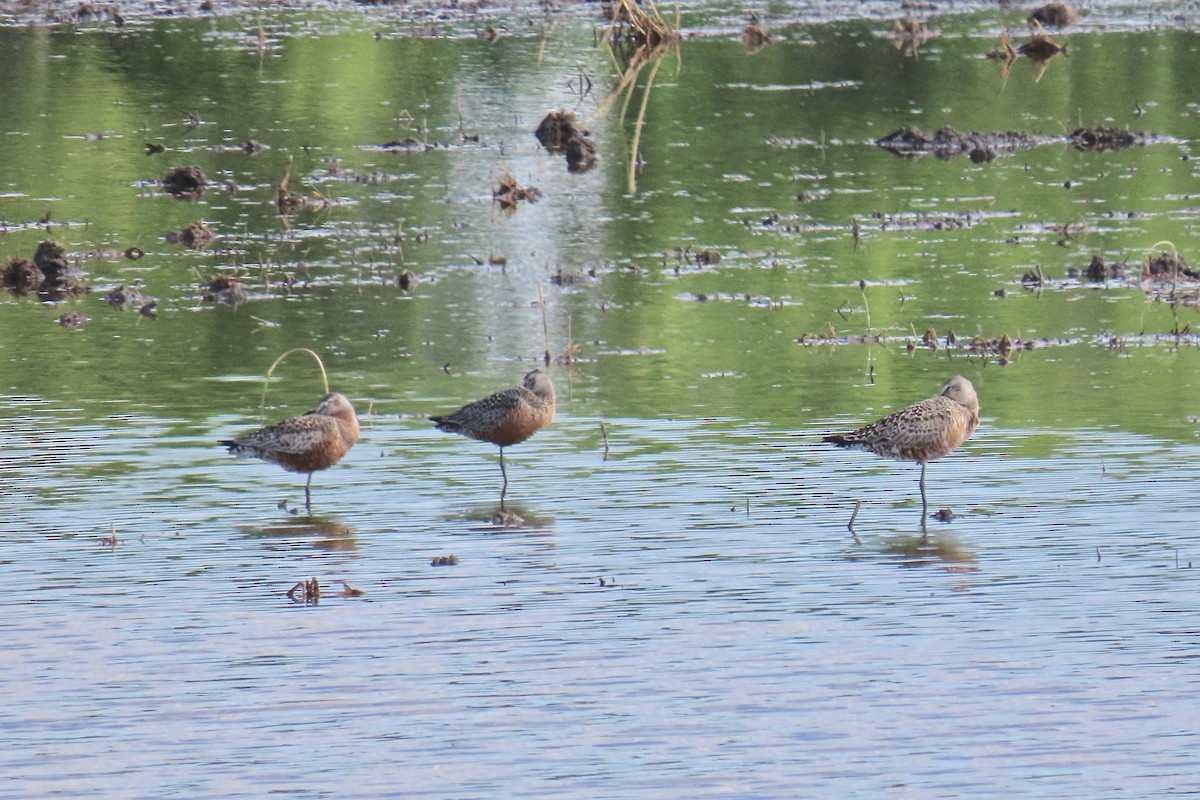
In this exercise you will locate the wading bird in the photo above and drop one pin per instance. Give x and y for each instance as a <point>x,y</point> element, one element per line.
<point>505,418</point>
<point>922,432</point>
<point>314,440</point>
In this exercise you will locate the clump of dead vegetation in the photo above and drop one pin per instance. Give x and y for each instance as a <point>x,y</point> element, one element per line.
<point>50,274</point>
<point>224,290</point>
<point>1053,15</point>
<point>640,27</point>
<point>510,192</point>
<point>195,236</point>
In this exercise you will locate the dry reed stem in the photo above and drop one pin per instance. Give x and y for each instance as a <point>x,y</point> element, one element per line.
<point>278,361</point>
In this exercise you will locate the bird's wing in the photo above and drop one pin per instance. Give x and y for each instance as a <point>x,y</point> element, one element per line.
<point>295,435</point>
<point>491,410</point>
<point>916,425</point>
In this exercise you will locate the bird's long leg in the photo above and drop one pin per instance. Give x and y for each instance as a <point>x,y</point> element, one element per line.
<point>504,475</point>
<point>308,495</point>
<point>924,503</point>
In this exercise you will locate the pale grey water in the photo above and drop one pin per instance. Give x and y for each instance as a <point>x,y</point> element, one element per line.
<point>1043,644</point>
<point>689,617</point>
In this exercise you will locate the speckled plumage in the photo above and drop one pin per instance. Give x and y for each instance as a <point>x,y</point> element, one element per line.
<point>312,441</point>
<point>922,432</point>
<point>507,417</point>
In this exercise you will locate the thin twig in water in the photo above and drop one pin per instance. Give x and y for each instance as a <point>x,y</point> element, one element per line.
<point>604,435</point>
<point>854,516</point>
<point>545,324</point>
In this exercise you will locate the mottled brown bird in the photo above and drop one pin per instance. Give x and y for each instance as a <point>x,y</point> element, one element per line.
<point>314,440</point>
<point>505,418</point>
<point>922,432</point>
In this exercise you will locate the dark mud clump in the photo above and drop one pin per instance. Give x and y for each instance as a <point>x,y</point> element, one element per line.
<point>195,236</point>
<point>982,147</point>
<point>555,129</point>
<point>558,134</point>
<point>50,274</point>
<point>1053,15</point>
<point>946,143</point>
<point>1105,140</point>
<point>1169,265</point>
<point>580,153</point>
<point>225,290</point>
<point>1097,271</point>
<point>185,182</point>
<point>122,298</point>
<point>73,319</point>
<point>51,259</point>
<point>21,276</point>
<point>408,144</point>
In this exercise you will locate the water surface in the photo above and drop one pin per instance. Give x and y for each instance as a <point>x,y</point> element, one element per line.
<point>684,612</point>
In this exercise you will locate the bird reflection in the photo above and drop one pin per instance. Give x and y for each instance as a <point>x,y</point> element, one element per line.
<point>321,532</point>
<point>912,550</point>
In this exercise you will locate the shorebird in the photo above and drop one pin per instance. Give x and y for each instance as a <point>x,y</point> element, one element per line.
<point>505,418</point>
<point>922,432</point>
<point>314,440</point>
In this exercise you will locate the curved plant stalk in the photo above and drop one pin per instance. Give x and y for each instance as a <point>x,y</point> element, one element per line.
<point>278,361</point>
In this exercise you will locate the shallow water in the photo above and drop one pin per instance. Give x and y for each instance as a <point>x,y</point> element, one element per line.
<point>683,610</point>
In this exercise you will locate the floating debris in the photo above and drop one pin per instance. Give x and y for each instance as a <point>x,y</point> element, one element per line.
<point>73,319</point>
<point>946,143</point>
<point>562,278</point>
<point>185,182</point>
<point>406,280</point>
<point>350,591</point>
<point>1041,48</point>
<point>225,290</point>
<point>510,192</point>
<point>554,130</point>
<point>1097,271</point>
<point>408,144</point>
<point>444,561</point>
<point>1106,140</point>
<point>638,28</point>
<point>153,148</point>
<point>558,134</point>
<point>307,592</point>
<point>122,298</point>
<point>1168,265</point>
<point>51,259</point>
<point>912,33</point>
<point>21,276</point>
<point>196,236</point>
<point>580,154</point>
<point>1053,15</point>
<point>755,37</point>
